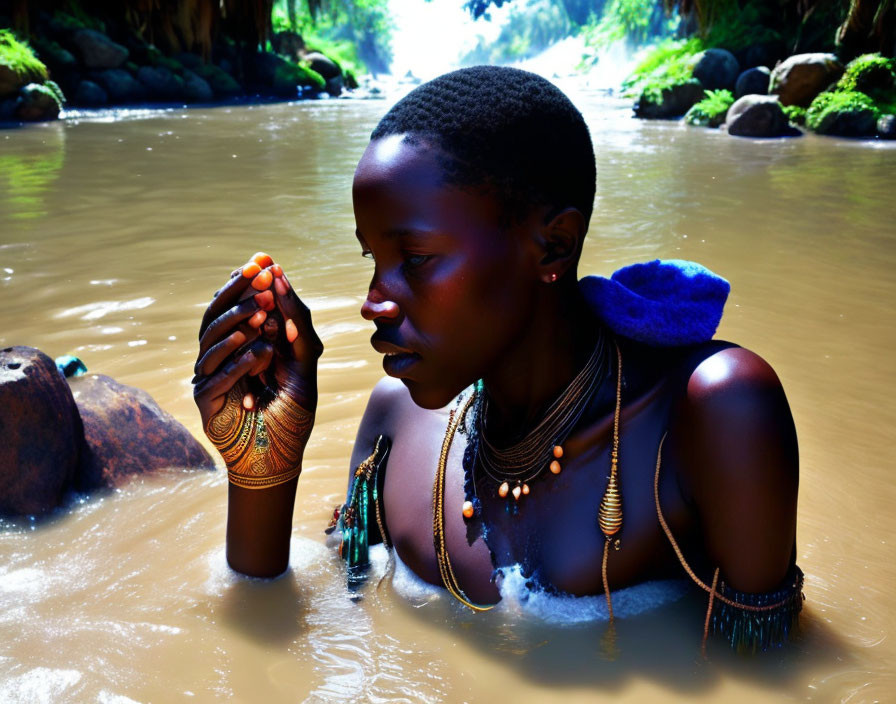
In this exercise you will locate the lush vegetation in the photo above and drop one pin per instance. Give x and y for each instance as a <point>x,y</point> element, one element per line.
<point>355,33</point>
<point>865,92</point>
<point>532,26</point>
<point>711,111</point>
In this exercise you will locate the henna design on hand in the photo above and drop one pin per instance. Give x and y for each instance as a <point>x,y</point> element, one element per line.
<point>262,447</point>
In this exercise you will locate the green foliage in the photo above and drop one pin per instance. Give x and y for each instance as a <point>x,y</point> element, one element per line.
<point>290,74</point>
<point>711,111</point>
<point>729,26</point>
<point>531,27</point>
<point>795,114</point>
<point>355,33</point>
<point>78,18</point>
<point>869,73</point>
<point>669,63</point>
<point>826,105</point>
<point>18,57</point>
<point>632,20</point>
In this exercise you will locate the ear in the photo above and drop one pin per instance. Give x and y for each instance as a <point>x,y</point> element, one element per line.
<point>561,240</point>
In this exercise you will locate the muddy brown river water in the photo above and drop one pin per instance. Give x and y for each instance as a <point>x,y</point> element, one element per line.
<point>115,231</point>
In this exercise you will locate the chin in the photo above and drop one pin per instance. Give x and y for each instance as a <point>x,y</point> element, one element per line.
<point>430,397</point>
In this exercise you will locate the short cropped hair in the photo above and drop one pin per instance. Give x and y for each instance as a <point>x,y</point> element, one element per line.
<point>510,131</point>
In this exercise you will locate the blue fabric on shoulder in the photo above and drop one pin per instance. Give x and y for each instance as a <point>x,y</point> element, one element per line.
<point>665,302</point>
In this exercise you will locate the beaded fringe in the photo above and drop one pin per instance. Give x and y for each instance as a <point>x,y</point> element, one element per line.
<point>754,631</point>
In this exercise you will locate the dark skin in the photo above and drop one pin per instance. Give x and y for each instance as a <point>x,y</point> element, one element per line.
<point>457,295</point>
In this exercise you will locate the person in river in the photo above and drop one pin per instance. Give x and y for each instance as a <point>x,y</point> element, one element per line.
<point>590,431</point>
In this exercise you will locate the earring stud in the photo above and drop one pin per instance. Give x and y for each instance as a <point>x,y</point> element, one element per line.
<point>553,277</point>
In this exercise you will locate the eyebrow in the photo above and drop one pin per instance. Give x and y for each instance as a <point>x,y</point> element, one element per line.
<point>396,232</point>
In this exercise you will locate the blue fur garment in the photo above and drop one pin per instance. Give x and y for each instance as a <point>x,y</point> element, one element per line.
<point>665,302</point>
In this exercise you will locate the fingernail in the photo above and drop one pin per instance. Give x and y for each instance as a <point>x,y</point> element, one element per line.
<point>291,331</point>
<point>250,270</point>
<point>248,402</point>
<point>262,281</point>
<point>263,260</point>
<point>280,287</point>
<point>256,320</point>
<point>277,270</point>
<point>265,300</point>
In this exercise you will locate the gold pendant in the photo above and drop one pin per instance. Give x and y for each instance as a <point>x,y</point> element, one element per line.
<point>610,513</point>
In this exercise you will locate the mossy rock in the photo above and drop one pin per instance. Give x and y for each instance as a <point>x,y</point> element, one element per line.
<point>222,83</point>
<point>18,65</point>
<point>795,114</point>
<point>869,74</point>
<point>668,101</point>
<point>842,113</point>
<point>711,111</point>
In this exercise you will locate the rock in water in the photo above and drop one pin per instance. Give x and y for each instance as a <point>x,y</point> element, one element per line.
<point>673,101</point>
<point>798,79</point>
<point>753,81</point>
<point>757,116</point>
<point>90,95</point>
<point>886,127</point>
<point>40,432</point>
<point>716,69</point>
<point>126,433</point>
<point>37,103</point>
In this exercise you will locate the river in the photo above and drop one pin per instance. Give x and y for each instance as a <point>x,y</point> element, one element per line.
<point>114,232</point>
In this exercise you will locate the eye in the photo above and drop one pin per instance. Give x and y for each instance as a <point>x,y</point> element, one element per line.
<point>415,260</point>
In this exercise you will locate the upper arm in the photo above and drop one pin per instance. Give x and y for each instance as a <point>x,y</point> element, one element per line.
<point>740,465</point>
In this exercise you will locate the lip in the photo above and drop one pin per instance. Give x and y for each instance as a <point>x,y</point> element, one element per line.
<point>398,364</point>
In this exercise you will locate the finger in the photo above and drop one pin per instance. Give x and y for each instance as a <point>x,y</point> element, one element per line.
<point>210,393</point>
<point>212,359</point>
<point>229,294</point>
<point>224,325</point>
<point>306,345</point>
<point>264,353</point>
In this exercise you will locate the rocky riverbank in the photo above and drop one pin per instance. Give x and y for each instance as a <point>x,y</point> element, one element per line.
<point>89,64</point>
<point>758,93</point>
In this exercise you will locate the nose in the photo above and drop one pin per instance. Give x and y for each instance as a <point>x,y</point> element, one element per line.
<point>376,306</point>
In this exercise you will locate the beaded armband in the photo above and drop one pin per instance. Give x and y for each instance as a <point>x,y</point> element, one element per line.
<point>757,622</point>
<point>364,503</point>
<point>263,447</point>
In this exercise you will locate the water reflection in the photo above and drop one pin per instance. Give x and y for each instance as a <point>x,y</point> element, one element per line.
<point>28,168</point>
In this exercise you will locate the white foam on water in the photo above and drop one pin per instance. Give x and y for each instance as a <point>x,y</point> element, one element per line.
<point>518,597</point>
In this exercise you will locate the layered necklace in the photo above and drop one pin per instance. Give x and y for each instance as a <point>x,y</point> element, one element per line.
<point>513,466</point>
<point>511,469</point>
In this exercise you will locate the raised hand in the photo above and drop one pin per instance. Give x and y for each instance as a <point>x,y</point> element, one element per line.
<point>256,375</point>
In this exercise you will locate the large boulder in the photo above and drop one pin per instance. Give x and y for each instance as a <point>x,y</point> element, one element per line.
<point>96,50</point>
<point>753,81</point>
<point>222,83</point>
<point>757,116</point>
<point>18,65</point>
<point>90,95</point>
<point>40,432</point>
<point>120,86</point>
<point>160,83</point>
<point>716,69</point>
<point>196,88</point>
<point>37,103</point>
<point>127,433</point>
<point>672,101</point>
<point>798,79</point>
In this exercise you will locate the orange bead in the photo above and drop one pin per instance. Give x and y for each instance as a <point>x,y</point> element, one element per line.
<point>250,270</point>
<point>526,489</point>
<point>558,451</point>
<point>517,490</point>
<point>503,490</point>
<point>555,467</point>
<point>263,260</point>
<point>263,280</point>
<point>468,509</point>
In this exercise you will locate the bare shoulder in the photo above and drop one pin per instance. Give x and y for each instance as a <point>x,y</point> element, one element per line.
<point>388,401</point>
<point>738,461</point>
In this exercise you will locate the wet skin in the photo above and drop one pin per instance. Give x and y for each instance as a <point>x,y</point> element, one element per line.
<point>456,295</point>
